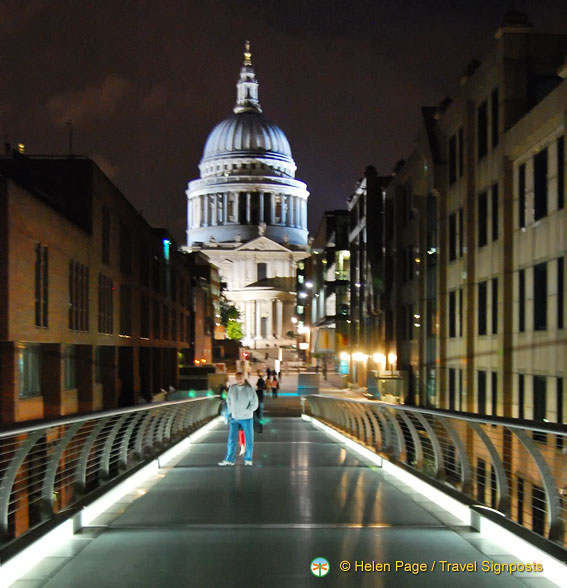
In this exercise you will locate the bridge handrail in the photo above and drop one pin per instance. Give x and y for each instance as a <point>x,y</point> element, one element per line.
<point>48,467</point>
<point>514,467</point>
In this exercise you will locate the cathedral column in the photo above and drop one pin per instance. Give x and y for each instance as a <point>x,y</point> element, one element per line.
<point>270,327</point>
<point>261,206</point>
<point>247,208</point>
<point>279,305</point>
<point>225,208</point>
<point>213,198</point>
<point>273,207</point>
<point>258,319</point>
<point>189,213</point>
<point>285,204</point>
<point>304,214</point>
<point>291,211</point>
<point>247,319</point>
<point>297,212</point>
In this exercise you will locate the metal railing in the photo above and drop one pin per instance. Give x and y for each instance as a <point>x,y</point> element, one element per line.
<point>510,466</point>
<point>49,467</point>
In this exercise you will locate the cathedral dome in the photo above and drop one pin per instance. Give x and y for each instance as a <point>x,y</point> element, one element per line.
<point>247,186</point>
<point>247,134</point>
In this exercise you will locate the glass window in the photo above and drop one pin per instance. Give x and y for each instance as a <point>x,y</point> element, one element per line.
<point>70,367</point>
<point>29,367</point>
<point>540,184</point>
<point>540,297</point>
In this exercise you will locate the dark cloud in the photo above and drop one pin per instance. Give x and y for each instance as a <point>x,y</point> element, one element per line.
<point>144,82</point>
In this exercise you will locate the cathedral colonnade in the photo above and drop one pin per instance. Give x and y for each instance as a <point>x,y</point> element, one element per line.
<point>263,318</point>
<point>247,208</point>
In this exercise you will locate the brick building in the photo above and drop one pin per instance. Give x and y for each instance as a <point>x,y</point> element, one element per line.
<point>96,307</point>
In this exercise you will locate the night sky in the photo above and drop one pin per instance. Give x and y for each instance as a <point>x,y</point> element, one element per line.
<point>145,82</point>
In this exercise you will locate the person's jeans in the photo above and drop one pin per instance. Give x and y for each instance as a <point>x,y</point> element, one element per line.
<point>248,428</point>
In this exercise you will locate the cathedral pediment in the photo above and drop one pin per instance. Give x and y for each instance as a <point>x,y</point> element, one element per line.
<point>262,244</point>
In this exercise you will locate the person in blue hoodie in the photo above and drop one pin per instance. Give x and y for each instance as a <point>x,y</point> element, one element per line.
<point>241,402</point>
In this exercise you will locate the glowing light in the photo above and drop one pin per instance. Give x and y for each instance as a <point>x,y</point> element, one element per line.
<point>309,285</point>
<point>294,319</point>
<point>344,355</point>
<point>379,358</point>
<point>303,294</point>
<point>21,148</point>
<point>392,358</point>
<point>359,356</point>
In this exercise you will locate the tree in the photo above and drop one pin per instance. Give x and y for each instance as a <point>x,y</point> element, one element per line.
<point>233,329</point>
<point>230,318</point>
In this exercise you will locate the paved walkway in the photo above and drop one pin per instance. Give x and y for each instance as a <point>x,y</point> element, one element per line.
<point>200,525</point>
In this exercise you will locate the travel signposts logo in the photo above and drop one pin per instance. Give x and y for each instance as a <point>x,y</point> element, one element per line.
<point>320,567</point>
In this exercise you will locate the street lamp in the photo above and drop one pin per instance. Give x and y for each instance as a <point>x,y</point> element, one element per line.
<point>392,359</point>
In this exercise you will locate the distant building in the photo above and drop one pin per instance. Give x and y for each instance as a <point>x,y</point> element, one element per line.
<point>328,289</point>
<point>248,214</point>
<point>366,245</point>
<point>96,307</point>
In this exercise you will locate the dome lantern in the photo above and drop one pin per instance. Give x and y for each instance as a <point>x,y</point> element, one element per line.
<point>247,86</point>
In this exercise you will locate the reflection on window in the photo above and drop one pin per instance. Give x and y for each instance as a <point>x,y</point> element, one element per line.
<point>29,368</point>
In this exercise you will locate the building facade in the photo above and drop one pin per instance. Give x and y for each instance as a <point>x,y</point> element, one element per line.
<point>366,245</point>
<point>328,290</point>
<point>248,214</point>
<point>475,256</point>
<point>95,306</point>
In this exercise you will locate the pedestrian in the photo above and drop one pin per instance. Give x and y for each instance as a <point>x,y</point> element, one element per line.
<point>268,385</point>
<point>259,412</point>
<point>275,387</point>
<point>241,402</point>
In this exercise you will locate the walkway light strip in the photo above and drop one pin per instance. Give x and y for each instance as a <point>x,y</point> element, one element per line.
<point>32,555</point>
<point>553,569</point>
<point>23,562</point>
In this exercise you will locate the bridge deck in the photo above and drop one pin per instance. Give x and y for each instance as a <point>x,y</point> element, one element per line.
<point>306,496</point>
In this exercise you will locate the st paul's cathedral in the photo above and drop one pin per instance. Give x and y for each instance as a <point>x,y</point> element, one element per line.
<point>248,214</point>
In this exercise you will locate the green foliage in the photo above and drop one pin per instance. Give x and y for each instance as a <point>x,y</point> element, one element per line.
<point>228,312</point>
<point>233,329</point>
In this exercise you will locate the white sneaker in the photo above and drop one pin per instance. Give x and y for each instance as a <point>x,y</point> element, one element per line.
<point>242,449</point>
<point>248,462</point>
<point>224,462</point>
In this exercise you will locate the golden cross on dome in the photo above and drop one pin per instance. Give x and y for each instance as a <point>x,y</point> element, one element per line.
<point>247,54</point>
